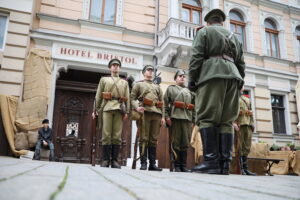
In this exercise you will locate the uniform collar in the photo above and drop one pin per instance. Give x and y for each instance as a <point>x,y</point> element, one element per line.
<point>115,75</point>
<point>148,81</point>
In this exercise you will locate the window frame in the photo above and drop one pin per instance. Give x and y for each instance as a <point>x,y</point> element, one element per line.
<point>102,12</point>
<point>276,33</point>
<point>285,112</point>
<point>5,29</point>
<point>191,8</point>
<point>243,25</point>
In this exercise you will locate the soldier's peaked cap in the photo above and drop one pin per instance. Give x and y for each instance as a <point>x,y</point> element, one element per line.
<point>215,13</point>
<point>178,73</point>
<point>114,61</point>
<point>147,67</point>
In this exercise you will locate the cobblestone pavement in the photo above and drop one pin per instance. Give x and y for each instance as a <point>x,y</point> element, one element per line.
<point>27,179</point>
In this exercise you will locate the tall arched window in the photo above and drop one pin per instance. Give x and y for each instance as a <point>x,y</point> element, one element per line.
<point>272,38</point>
<point>103,11</point>
<point>298,40</point>
<point>237,25</point>
<point>191,11</point>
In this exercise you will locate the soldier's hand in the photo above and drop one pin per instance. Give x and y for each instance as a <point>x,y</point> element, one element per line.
<point>125,117</point>
<point>140,109</point>
<point>252,128</point>
<point>163,122</point>
<point>94,114</point>
<point>236,127</point>
<point>168,121</point>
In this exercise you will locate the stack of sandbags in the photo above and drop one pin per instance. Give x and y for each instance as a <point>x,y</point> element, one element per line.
<point>282,167</point>
<point>26,140</point>
<point>296,162</point>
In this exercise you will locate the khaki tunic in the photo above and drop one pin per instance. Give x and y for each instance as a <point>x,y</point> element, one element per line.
<point>182,119</point>
<point>109,110</point>
<point>152,115</point>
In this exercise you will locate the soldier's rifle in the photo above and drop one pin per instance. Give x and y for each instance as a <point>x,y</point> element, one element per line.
<point>135,159</point>
<point>171,150</point>
<point>237,145</point>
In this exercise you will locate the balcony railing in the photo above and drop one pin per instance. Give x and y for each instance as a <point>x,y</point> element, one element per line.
<point>177,28</point>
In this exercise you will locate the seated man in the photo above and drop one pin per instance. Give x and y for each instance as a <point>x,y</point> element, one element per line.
<point>45,139</point>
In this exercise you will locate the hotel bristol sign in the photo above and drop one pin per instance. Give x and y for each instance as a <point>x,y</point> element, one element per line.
<point>96,56</point>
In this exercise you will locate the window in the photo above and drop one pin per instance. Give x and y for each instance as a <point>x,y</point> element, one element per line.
<point>237,25</point>
<point>3,25</point>
<point>103,11</point>
<point>272,38</point>
<point>191,11</point>
<point>278,114</point>
<point>298,40</point>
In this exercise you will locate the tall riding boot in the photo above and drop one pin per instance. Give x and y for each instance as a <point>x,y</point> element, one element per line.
<point>106,149</point>
<point>51,157</point>
<point>114,156</point>
<point>211,164</point>
<point>143,158</point>
<point>241,164</point>
<point>245,166</point>
<point>37,154</point>
<point>177,161</point>
<point>152,159</point>
<point>226,142</point>
<point>183,158</point>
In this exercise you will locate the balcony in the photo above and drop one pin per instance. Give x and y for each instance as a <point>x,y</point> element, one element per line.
<point>175,42</point>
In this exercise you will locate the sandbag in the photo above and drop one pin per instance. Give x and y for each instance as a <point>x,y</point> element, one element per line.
<point>32,138</point>
<point>258,150</point>
<point>282,167</point>
<point>21,142</point>
<point>295,165</point>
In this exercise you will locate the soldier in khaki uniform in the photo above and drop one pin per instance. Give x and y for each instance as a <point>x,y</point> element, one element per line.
<point>244,126</point>
<point>111,93</point>
<point>179,114</point>
<point>216,72</point>
<point>147,99</point>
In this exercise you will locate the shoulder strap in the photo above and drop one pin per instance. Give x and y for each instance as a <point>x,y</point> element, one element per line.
<point>115,84</point>
<point>181,91</point>
<point>249,107</point>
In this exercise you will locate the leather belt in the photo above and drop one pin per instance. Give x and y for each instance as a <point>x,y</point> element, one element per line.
<point>224,57</point>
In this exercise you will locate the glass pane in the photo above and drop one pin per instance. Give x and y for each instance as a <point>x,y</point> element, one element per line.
<point>109,11</point>
<point>192,3</point>
<point>270,24</point>
<point>3,20</point>
<point>277,100</point>
<point>185,15</point>
<point>72,126</point>
<point>275,51</point>
<point>196,17</point>
<point>232,28</point>
<point>298,31</point>
<point>234,15</point>
<point>268,44</point>
<point>240,32</point>
<point>96,9</point>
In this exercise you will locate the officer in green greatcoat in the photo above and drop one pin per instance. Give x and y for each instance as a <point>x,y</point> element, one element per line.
<point>111,93</point>
<point>244,126</point>
<point>216,73</point>
<point>147,99</point>
<point>179,114</point>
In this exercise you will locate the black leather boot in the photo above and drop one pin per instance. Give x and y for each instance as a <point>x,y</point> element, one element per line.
<point>114,156</point>
<point>226,142</point>
<point>106,150</point>
<point>211,163</point>
<point>143,158</point>
<point>177,162</point>
<point>51,157</point>
<point>183,158</point>
<point>245,167</point>
<point>37,154</point>
<point>152,159</point>
<point>241,164</point>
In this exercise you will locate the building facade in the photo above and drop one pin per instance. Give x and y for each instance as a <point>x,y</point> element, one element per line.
<point>83,35</point>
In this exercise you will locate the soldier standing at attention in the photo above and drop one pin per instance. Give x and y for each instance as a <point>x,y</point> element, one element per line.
<point>147,99</point>
<point>179,114</point>
<point>112,104</point>
<point>244,126</point>
<point>216,73</point>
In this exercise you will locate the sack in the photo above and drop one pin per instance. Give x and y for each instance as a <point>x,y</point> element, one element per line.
<point>21,142</point>
<point>147,102</point>
<point>107,95</point>
<point>32,138</point>
<point>123,108</point>
<point>159,104</point>
<point>135,115</point>
<point>190,106</point>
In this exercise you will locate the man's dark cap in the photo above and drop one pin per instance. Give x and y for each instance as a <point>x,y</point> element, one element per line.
<point>114,61</point>
<point>178,73</point>
<point>215,13</point>
<point>147,67</point>
<point>45,121</point>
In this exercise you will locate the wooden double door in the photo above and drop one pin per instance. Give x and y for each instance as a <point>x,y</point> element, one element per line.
<point>72,124</point>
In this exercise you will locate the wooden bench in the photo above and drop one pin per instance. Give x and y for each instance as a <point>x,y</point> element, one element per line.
<point>270,163</point>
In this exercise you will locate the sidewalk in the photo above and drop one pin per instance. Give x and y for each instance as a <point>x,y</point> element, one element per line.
<point>26,179</point>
